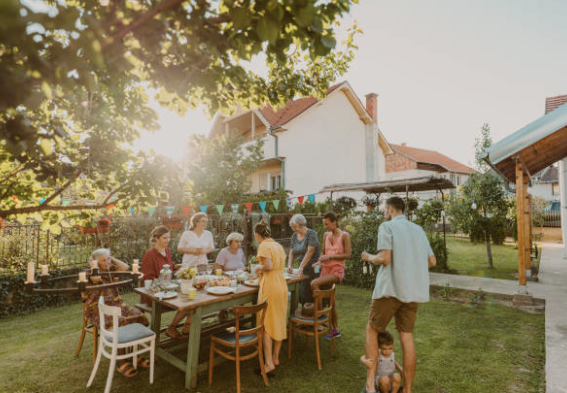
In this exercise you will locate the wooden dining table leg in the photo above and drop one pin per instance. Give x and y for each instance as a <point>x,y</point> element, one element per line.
<point>156,318</point>
<point>193,349</point>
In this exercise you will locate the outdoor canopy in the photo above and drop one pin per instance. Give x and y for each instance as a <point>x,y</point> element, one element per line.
<point>424,183</point>
<point>537,146</point>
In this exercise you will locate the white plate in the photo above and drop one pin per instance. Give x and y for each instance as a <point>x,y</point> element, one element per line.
<point>251,283</point>
<point>166,295</point>
<point>220,290</point>
<point>287,276</point>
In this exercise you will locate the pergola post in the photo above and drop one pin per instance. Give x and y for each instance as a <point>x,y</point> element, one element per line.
<point>521,192</point>
<point>527,228</point>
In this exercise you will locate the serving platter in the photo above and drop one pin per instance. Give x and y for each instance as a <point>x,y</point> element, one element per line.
<point>220,290</point>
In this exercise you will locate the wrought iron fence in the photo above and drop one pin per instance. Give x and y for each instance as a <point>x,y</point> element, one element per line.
<point>127,238</point>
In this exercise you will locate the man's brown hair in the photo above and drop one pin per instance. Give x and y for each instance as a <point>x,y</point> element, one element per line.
<point>397,203</point>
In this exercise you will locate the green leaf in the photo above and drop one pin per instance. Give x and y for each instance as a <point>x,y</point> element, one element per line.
<point>241,17</point>
<point>267,30</point>
<point>329,42</point>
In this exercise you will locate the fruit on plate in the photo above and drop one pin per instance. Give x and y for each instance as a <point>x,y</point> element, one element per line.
<point>200,284</point>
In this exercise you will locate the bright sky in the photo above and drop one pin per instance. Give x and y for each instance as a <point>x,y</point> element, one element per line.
<point>441,68</point>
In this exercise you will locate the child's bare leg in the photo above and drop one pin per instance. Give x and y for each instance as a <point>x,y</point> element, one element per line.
<point>384,385</point>
<point>396,382</point>
<point>371,357</point>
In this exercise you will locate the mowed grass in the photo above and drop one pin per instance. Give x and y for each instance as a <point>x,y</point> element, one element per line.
<point>471,259</point>
<point>460,349</point>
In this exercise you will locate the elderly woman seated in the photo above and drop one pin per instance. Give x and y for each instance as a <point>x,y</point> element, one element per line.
<point>232,257</point>
<point>106,265</point>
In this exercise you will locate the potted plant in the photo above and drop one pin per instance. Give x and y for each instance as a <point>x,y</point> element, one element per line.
<point>371,201</point>
<point>103,225</point>
<point>186,276</point>
<point>88,227</point>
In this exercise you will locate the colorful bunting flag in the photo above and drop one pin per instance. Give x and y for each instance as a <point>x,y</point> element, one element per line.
<point>300,199</point>
<point>312,198</point>
<point>131,210</point>
<point>220,208</point>
<point>109,206</point>
<point>276,203</point>
<point>151,210</point>
<point>169,210</point>
<point>65,202</point>
<point>289,203</point>
<point>42,200</point>
<point>262,206</point>
<point>204,208</point>
<point>186,210</point>
<point>249,206</point>
<point>234,207</point>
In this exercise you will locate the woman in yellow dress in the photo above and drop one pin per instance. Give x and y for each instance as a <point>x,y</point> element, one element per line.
<point>273,288</point>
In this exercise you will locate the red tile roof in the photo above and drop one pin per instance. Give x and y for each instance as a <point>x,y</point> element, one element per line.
<point>552,103</point>
<point>291,109</point>
<point>432,157</point>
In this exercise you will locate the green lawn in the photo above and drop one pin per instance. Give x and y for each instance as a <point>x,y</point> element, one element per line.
<point>460,349</point>
<point>470,259</point>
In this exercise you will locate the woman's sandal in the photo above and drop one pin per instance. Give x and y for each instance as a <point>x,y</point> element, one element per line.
<point>127,369</point>
<point>142,362</point>
<point>174,334</point>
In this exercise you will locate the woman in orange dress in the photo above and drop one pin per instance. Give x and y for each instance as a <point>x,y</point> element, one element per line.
<point>273,288</point>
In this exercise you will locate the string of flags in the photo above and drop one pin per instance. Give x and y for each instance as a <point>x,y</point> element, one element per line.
<point>187,209</point>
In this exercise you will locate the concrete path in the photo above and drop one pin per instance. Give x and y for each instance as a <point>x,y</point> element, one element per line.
<point>552,287</point>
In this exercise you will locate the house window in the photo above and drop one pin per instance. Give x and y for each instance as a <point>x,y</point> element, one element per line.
<point>458,180</point>
<point>452,178</point>
<point>555,189</point>
<point>275,182</point>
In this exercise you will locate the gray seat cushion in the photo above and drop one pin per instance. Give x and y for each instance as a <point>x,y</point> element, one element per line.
<point>133,332</point>
<point>231,337</point>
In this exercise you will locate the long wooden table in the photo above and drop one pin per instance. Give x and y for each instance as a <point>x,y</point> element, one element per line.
<point>203,304</point>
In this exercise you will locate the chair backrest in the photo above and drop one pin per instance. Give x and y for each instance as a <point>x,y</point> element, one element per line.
<point>245,310</point>
<point>321,294</point>
<point>108,335</point>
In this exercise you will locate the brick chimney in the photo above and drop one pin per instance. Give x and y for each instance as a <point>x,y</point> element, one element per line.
<point>372,106</point>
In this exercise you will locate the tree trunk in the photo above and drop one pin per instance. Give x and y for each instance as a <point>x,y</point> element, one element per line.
<point>489,251</point>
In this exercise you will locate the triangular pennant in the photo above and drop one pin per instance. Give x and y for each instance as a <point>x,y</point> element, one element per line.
<point>262,206</point>
<point>204,208</point>
<point>234,207</point>
<point>65,202</point>
<point>312,198</point>
<point>131,210</point>
<point>169,210</point>
<point>289,202</point>
<point>249,206</point>
<point>109,206</point>
<point>42,200</point>
<point>186,210</point>
<point>276,203</point>
<point>220,208</point>
<point>151,210</point>
<point>300,199</point>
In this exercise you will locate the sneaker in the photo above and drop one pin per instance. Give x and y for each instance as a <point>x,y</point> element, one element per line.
<point>336,334</point>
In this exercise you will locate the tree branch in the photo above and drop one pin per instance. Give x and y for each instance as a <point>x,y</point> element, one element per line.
<point>149,14</point>
<point>14,173</point>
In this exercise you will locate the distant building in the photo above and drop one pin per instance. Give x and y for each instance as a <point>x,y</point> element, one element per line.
<point>410,162</point>
<point>545,184</point>
<point>311,143</point>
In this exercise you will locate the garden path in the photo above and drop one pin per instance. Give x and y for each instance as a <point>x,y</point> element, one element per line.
<point>552,287</point>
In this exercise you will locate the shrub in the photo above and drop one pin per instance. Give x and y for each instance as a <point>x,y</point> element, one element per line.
<point>441,254</point>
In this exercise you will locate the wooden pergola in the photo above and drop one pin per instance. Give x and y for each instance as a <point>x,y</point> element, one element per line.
<point>518,156</point>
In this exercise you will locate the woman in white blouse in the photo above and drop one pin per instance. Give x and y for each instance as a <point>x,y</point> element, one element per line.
<point>196,243</point>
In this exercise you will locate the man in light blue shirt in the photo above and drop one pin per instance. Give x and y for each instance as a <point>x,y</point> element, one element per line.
<point>402,282</point>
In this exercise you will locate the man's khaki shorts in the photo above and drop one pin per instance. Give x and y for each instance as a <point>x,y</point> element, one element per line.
<point>382,310</point>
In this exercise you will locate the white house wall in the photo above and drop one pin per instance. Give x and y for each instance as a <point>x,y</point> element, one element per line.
<point>543,190</point>
<point>324,146</point>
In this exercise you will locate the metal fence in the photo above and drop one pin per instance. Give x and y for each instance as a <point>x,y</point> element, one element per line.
<point>127,238</point>
<point>551,219</point>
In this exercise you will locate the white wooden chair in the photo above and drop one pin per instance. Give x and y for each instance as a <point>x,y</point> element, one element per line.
<point>129,336</point>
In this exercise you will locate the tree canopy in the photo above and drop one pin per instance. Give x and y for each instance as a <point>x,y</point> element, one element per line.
<point>74,77</point>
